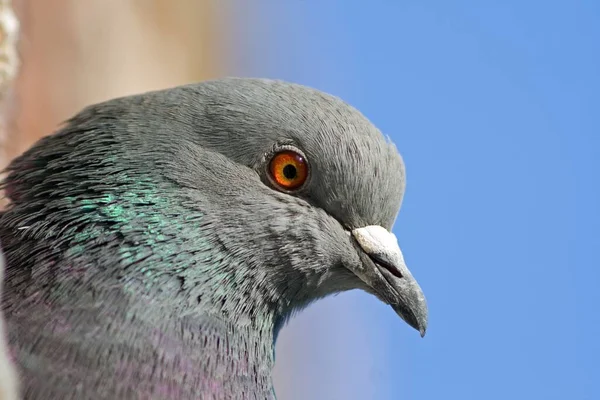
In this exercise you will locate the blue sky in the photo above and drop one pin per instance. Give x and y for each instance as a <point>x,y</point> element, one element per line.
<point>495,107</point>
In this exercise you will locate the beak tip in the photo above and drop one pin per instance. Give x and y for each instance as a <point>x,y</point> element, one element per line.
<point>420,326</point>
<point>416,320</point>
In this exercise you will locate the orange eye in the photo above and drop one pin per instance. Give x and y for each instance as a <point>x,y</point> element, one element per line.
<point>288,169</point>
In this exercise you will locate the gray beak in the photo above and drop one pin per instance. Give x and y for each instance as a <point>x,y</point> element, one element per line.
<point>402,291</point>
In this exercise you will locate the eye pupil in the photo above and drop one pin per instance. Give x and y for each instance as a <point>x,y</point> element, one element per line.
<point>290,172</point>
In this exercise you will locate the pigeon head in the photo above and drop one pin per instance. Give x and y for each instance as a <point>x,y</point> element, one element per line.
<point>250,197</point>
<point>350,172</point>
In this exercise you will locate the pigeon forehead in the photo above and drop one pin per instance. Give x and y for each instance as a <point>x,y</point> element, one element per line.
<point>356,174</point>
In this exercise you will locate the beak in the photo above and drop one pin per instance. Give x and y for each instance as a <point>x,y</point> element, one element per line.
<point>391,279</point>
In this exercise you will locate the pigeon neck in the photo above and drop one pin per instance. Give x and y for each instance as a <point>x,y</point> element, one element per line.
<point>185,262</point>
<point>214,355</point>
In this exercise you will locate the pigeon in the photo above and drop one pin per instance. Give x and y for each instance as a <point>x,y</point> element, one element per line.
<point>156,244</point>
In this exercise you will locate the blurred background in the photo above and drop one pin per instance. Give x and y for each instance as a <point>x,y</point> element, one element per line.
<point>495,106</point>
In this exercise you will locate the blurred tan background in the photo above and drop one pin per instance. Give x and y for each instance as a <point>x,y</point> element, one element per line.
<point>77,52</point>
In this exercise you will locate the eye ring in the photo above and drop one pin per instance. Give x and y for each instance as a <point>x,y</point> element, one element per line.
<point>288,169</point>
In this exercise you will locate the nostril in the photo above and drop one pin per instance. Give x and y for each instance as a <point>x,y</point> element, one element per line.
<point>388,266</point>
